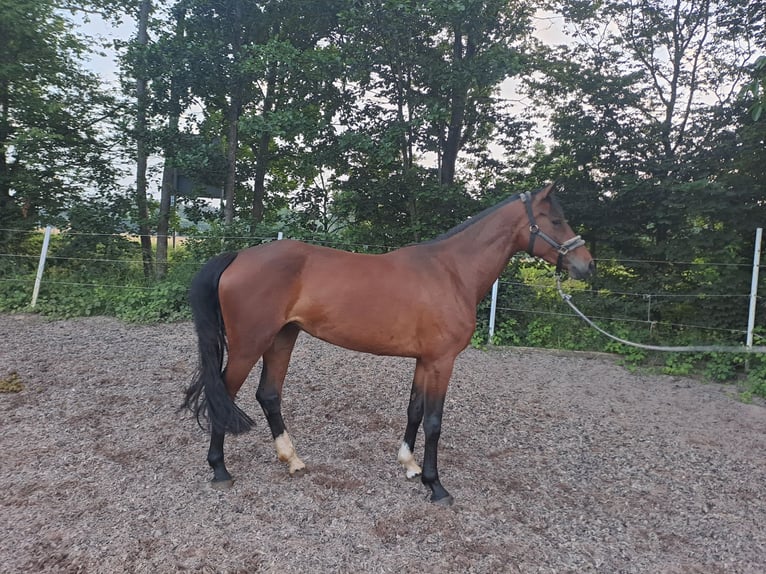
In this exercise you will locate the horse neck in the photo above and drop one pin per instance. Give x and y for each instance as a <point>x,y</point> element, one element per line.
<point>481,251</point>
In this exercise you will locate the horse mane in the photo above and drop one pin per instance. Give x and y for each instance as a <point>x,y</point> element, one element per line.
<point>478,217</point>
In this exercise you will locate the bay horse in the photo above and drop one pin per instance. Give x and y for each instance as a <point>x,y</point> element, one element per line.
<point>418,301</point>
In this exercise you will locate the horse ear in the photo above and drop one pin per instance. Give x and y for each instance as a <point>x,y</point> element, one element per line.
<point>547,189</point>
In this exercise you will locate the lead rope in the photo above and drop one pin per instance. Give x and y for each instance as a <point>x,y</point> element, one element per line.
<point>695,349</point>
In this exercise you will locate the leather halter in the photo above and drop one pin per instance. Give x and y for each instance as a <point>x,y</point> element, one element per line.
<point>534,231</point>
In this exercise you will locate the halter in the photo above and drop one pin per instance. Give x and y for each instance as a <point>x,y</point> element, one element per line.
<point>534,231</point>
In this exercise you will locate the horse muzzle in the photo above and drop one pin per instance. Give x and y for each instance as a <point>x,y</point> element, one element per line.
<point>579,268</point>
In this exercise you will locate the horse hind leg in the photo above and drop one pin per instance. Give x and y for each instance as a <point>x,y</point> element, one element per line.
<point>237,368</point>
<point>275,362</point>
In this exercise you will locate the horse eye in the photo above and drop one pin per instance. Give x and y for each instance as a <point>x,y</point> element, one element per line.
<point>557,221</point>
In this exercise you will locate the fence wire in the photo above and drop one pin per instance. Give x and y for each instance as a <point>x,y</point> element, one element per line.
<point>134,267</point>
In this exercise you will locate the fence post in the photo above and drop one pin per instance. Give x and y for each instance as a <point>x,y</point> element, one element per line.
<point>492,310</point>
<point>754,286</point>
<point>279,235</point>
<point>41,265</point>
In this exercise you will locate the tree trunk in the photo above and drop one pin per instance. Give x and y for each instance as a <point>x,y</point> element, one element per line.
<point>453,141</point>
<point>141,144</point>
<point>168,169</point>
<point>259,183</point>
<point>232,136</point>
<point>262,153</point>
<point>8,208</point>
<point>163,221</point>
<point>232,118</point>
<point>5,134</point>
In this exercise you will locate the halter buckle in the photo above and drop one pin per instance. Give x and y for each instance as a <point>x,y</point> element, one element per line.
<point>570,244</point>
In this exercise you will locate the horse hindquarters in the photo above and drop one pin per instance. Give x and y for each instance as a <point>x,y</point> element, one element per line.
<point>207,395</point>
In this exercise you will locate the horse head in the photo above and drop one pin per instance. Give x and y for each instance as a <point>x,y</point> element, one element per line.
<point>559,245</point>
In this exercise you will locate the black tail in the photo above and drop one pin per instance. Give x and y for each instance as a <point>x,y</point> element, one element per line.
<point>207,396</point>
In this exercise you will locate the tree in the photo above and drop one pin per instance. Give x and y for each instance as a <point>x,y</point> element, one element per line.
<point>426,76</point>
<point>141,134</point>
<point>168,66</point>
<point>479,45</point>
<point>295,70</point>
<point>756,88</point>
<point>220,35</point>
<point>635,100</point>
<point>53,146</point>
<point>640,98</point>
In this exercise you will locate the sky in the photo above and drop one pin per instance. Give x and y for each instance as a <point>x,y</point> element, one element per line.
<point>96,27</point>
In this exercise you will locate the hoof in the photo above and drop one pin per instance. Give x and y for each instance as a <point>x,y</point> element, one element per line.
<point>296,472</point>
<point>446,501</point>
<point>412,475</point>
<point>222,484</point>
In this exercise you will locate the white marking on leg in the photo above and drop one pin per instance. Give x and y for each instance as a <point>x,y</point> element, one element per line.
<point>286,453</point>
<point>406,459</point>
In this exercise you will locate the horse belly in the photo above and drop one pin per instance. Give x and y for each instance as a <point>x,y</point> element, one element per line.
<point>370,325</point>
<point>380,306</point>
<point>385,327</point>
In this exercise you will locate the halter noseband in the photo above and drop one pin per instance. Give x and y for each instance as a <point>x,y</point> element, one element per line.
<point>534,231</point>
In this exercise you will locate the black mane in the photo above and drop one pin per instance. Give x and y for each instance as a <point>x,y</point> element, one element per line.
<point>478,217</point>
<point>473,219</point>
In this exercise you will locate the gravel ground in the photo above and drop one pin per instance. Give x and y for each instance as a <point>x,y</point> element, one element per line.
<point>558,463</point>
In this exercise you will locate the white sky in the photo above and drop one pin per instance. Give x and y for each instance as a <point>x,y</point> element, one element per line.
<point>103,31</point>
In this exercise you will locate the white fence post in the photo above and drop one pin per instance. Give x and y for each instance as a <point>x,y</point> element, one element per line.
<point>492,311</point>
<point>754,286</point>
<point>279,235</point>
<point>41,265</point>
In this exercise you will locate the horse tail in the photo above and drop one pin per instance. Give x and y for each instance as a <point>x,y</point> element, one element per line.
<point>207,396</point>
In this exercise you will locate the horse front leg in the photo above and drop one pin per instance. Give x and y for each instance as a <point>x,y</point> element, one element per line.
<point>429,388</point>
<point>437,377</point>
<point>406,456</point>
<point>432,429</point>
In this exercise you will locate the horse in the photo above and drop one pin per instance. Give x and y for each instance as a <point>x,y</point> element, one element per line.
<point>418,301</point>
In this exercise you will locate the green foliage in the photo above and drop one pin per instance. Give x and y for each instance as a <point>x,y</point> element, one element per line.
<point>52,145</point>
<point>221,237</point>
<point>755,382</point>
<point>395,210</point>
<point>163,302</point>
<point>15,294</point>
<point>628,146</point>
<point>722,367</point>
<point>631,356</point>
<point>479,339</point>
<point>756,88</point>
<point>680,364</point>
<point>507,333</point>
<point>541,333</point>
